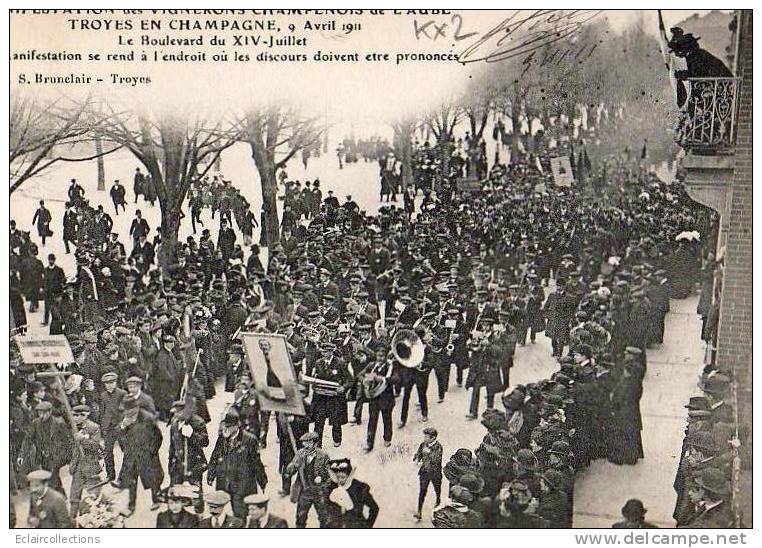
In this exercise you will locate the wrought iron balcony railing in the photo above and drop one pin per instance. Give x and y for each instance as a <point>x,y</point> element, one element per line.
<point>708,118</point>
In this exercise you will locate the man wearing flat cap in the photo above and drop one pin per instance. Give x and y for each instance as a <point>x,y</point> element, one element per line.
<point>48,445</point>
<point>85,466</point>
<point>140,440</point>
<point>258,517</point>
<point>216,501</point>
<point>429,460</point>
<point>47,506</point>
<point>108,417</point>
<point>310,466</point>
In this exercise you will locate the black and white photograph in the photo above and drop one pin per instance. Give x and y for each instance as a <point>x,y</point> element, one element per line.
<point>381,268</point>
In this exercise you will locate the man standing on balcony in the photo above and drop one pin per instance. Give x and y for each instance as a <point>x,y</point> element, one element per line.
<point>700,63</point>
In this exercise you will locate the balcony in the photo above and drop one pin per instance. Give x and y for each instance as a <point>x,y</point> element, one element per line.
<point>706,125</point>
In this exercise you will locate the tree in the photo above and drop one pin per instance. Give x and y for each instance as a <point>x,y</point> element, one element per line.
<point>275,133</point>
<point>478,103</point>
<point>442,122</point>
<point>176,148</point>
<point>404,130</point>
<point>40,129</point>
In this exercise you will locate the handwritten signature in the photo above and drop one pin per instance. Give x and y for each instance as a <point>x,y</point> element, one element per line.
<point>539,28</point>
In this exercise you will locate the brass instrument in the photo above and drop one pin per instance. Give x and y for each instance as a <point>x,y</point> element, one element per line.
<point>450,346</point>
<point>408,348</point>
<point>322,386</point>
<point>372,382</point>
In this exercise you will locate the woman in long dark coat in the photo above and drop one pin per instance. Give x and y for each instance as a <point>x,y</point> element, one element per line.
<point>625,443</point>
<point>17,304</point>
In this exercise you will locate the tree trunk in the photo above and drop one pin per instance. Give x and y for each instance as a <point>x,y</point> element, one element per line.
<point>170,227</point>
<point>101,169</point>
<point>267,175</point>
<point>516,123</point>
<point>404,150</point>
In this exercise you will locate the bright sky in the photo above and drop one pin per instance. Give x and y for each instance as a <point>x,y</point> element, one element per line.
<point>366,92</point>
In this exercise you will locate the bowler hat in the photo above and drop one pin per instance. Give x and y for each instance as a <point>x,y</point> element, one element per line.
<point>633,509</point>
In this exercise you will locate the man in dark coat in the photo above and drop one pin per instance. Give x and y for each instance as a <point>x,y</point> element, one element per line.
<point>117,194</point>
<point>144,255</point>
<point>258,517</point>
<point>140,440</point>
<point>429,459</point>
<point>70,223</point>
<point>47,506</point>
<point>109,417</point>
<point>42,218</point>
<point>48,445</point>
<point>330,405</point>
<point>235,464</point>
<point>382,404</point>
<point>138,183</point>
<point>310,466</point>
<point>216,501</point>
<point>187,439</point>
<point>226,240</point>
<point>32,271</point>
<point>700,63</point>
<point>559,311</point>
<point>53,283</point>
<point>166,376</point>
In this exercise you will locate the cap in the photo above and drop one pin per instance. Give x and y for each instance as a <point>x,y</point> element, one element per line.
<point>82,408</point>
<point>134,379</point>
<point>256,498</point>
<point>39,475</point>
<point>109,377</point>
<point>217,498</point>
<point>430,431</point>
<point>309,436</point>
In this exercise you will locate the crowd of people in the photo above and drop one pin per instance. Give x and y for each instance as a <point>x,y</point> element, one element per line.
<point>467,276</point>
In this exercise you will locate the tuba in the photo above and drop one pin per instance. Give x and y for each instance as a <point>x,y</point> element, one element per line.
<point>408,348</point>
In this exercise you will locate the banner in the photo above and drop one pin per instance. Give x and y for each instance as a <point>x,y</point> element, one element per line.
<point>273,373</point>
<point>44,349</point>
<point>562,171</point>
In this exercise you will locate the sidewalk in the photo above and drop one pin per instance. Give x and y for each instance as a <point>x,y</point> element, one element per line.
<point>671,379</point>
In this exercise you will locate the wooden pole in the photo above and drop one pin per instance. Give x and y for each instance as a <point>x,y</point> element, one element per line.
<point>58,386</point>
<point>284,418</point>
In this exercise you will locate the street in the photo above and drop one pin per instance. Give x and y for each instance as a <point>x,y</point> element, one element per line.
<point>600,491</point>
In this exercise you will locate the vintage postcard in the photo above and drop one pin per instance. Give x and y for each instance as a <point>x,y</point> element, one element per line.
<point>381,268</point>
